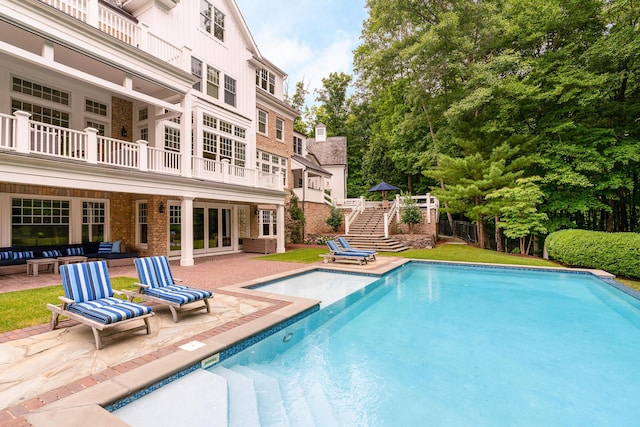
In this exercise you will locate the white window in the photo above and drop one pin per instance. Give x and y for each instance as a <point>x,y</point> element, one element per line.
<point>143,114</point>
<point>144,134</point>
<point>267,224</point>
<point>218,24</point>
<point>263,119</point>
<point>297,145</point>
<point>95,107</point>
<point>42,114</point>
<point>196,70</point>
<point>229,91</point>
<point>171,138</point>
<point>213,82</point>
<point>93,221</point>
<point>223,140</point>
<point>96,125</point>
<point>266,80</point>
<point>279,129</point>
<point>40,91</point>
<point>272,163</point>
<point>142,224</point>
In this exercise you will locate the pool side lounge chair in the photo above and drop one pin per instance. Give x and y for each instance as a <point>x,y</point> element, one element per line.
<point>336,254</point>
<point>158,285</point>
<point>347,247</point>
<point>89,299</point>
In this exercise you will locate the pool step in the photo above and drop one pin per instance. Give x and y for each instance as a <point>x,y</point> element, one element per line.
<point>270,404</point>
<point>180,403</point>
<point>243,404</point>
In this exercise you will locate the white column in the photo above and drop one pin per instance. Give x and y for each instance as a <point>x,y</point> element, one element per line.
<point>5,220</point>
<point>22,132</point>
<point>280,248</point>
<point>92,145</point>
<point>186,227</point>
<point>185,135</point>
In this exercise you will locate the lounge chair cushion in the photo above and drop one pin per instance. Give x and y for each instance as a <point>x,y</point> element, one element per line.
<point>154,271</point>
<point>336,250</point>
<point>347,246</point>
<point>177,294</point>
<point>86,281</point>
<point>109,310</point>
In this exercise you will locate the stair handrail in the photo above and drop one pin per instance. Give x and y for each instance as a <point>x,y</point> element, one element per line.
<point>394,209</point>
<point>357,207</point>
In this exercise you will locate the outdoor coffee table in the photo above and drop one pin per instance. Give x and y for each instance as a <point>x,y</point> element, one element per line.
<point>64,260</point>
<point>33,265</point>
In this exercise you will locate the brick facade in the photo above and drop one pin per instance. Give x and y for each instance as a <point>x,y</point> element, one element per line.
<point>425,228</point>
<point>122,214</point>
<point>121,116</point>
<point>270,144</point>
<point>316,215</point>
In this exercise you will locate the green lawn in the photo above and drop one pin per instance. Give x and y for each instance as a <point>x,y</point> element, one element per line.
<point>21,309</point>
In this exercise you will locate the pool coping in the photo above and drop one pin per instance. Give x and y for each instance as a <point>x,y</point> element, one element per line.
<point>88,404</point>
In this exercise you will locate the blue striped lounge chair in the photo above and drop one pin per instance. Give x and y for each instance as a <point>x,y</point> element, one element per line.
<point>89,299</point>
<point>336,254</point>
<point>158,285</point>
<point>347,247</point>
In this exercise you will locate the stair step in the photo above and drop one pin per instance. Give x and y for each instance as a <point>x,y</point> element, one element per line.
<point>180,403</point>
<point>295,401</point>
<point>243,405</point>
<point>270,404</point>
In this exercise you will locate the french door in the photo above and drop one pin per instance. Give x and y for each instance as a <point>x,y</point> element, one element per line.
<point>212,229</point>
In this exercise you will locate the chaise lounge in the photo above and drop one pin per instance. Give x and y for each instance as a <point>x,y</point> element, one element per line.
<point>89,299</point>
<point>336,254</point>
<point>158,285</point>
<point>348,248</point>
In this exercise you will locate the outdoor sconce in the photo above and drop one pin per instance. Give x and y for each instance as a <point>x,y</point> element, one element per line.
<point>123,131</point>
<point>161,208</point>
<point>257,212</point>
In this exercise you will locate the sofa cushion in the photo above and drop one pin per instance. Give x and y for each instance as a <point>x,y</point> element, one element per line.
<point>75,251</point>
<point>54,253</point>
<point>6,255</point>
<point>23,255</point>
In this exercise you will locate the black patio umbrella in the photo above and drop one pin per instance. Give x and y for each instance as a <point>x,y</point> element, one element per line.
<point>383,187</point>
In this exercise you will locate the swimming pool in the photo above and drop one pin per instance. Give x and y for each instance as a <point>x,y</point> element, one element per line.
<point>443,345</point>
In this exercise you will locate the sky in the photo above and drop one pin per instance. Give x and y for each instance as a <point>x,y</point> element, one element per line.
<point>307,39</point>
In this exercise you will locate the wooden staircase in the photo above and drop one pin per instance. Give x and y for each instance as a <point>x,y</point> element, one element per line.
<point>367,232</point>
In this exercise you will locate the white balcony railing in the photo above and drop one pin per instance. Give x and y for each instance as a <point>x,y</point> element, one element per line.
<point>120,27</point>
<point>21,135</point>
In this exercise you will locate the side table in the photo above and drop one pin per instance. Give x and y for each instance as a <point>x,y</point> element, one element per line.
<point>33,265</point>
<point>64,260</point>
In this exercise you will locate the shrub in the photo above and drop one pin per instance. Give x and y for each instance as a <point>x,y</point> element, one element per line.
<point>335,219</point>
<point>617,253</point>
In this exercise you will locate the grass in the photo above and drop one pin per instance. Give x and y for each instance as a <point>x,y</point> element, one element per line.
<point>304,255</point>
<point>21,309</point>
<point>466,253</point>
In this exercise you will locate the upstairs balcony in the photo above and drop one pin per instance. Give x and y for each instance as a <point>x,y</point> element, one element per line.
<point>20,135</point>
<point>107,19</point>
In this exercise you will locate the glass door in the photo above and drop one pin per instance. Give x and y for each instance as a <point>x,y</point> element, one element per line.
<point>198,228</point>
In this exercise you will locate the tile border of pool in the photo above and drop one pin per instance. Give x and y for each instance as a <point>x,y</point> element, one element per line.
<point>91,402</point>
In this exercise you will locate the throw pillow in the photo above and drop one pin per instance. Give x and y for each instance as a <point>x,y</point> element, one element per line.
<point>115,249</point>
<point>105,248</point>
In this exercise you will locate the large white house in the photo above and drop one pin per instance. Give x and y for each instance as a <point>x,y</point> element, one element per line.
<point>136,120</point>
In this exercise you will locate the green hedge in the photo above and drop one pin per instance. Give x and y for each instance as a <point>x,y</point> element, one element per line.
<point>617,253</point>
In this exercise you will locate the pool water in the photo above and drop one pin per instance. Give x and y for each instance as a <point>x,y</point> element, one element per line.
<point>325,286</point>
<point>450,346</point>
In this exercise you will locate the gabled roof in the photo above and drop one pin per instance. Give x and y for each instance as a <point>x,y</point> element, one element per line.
<point>310,165</point>
<point>333,151</point>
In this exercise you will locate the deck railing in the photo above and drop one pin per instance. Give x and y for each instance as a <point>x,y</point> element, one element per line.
<point>120,27</point>
<point>21,135</point>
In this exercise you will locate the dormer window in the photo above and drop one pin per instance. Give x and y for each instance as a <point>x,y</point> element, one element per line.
<point>213,26</point>
<point>266,80</point>
<point>218,24</point>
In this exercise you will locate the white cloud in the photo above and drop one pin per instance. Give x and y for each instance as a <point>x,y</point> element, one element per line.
<point>308,39</point>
